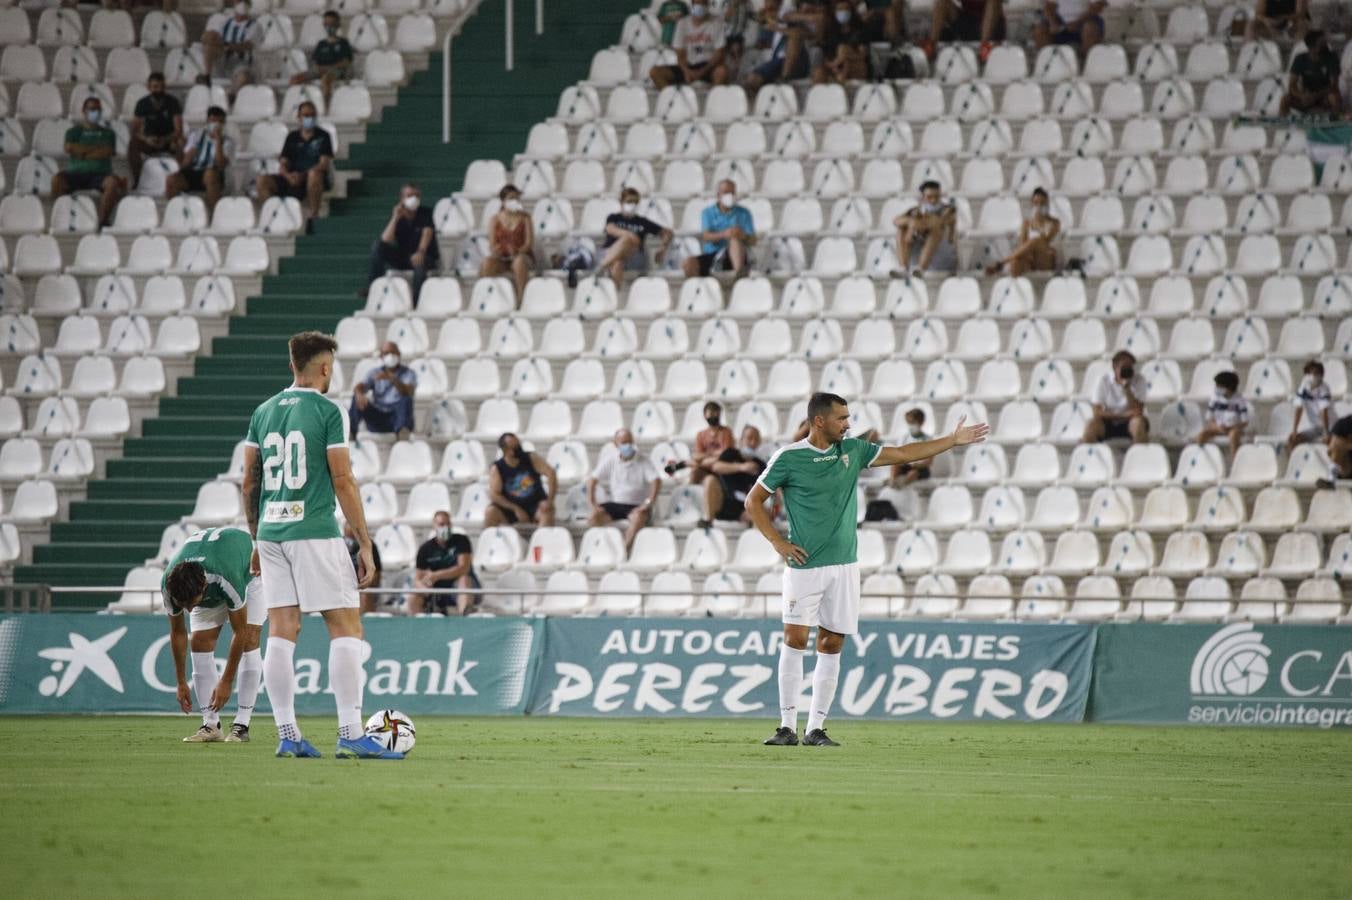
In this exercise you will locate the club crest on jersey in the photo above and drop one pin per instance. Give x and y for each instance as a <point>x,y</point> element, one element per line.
<point>845,459</point>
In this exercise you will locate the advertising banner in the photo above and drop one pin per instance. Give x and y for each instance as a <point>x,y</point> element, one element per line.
<point>910,671</point>
<point>1238,674</point>
<point>122,664</point>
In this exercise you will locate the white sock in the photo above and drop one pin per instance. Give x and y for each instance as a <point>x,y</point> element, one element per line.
<point>790,685</point>
<point>824,679</point>
<point>279,674</point>
<point>250,678</point>
<point>345,677</point>
<point>204,678</point>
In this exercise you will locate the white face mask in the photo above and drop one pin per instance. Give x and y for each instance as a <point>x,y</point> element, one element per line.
<point>390,360</point>
<point>628,208</point>
<point>308,123</point>
<point>513,205</point>
<point>93,116</point>
<point>727,201</point>
<point>628,451</point>
<point>413,201</point>
<point>843,16</point>
<point>443,532</point>
<point>699,10</point>
<point>917,432</point>
<point>241,9</point>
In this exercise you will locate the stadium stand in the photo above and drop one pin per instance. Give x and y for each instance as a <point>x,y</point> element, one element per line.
<point>1206,239</point>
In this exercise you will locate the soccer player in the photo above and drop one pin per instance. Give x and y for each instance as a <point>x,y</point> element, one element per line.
<point>296,466</point>
<point>821,579</point>
<point>209,579</point>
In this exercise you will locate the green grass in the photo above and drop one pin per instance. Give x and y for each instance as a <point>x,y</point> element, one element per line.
<point>117,807</point>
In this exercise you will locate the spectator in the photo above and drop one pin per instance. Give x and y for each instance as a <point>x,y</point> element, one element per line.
<point>206,156</point>
<point>511,241</point>
<point>156,126</point>
<point>307,166</point>
<point>966,20</point>
<point>787,36</point>
<point>1340,453</point>
<point>668,14</point>
<point>384,399</point>
<point>1070,22</point>
<point>91,145</point>
<point>884,20</point>
<point>370,601</point>
<point>516,493</point>
<point>1035,251</point>
<point>698,41</point>
<point>727,231</point>
<point>930,229</point>
<point>1228,413</point>
<point>229,40</point>
<point>1272,18</point>
<point>409,241</point>
<point>1313,87</point>
<point>631,483</point>
<point>1118,408</point>
<point>330,61</point>
<point>909,473</point>
<point>735,471</point>
<point>1313,401</point>
<point>445,562</point>
<point>844,48</point>
<point>625,232</point>
<point>710,443</point>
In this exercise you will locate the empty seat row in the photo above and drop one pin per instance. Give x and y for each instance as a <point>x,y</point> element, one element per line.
<point>41,374</point>
<point>150,254</point>
<point>138,215</point>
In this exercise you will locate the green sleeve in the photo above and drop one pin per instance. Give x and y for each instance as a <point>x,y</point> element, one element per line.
<point>862,453</point>
<point>240,555</point>
<point>335,427</point>
<point>72,135</point>
<point>776,474</point>
<point>252,438</point>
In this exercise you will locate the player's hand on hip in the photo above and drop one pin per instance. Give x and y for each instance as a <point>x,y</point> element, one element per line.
<point>221,695</point>
<point>366,567</point>
<point>185,697</point>
<point>790,551</point>
<point>255,568</point>
<point>969,434</point>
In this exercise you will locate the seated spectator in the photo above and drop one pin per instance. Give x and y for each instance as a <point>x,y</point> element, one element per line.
<point>735,471</point>
<point>330,61</point>
<point>520,487</point>
<point>1227,413</point>
<point>91,145</point>
<point>409,241</point>
<point>910,473</point>
<point>709,445</point>
<point>632,484</point>
<point>884,20</point>
<point>1078,22</point>
<point>307,166</point>
<point>228,41</point>
<point>698,41</point>
<point>370,601</point>
<point>1035,251</point>
<point>205,159</point>
<point>727,231</point>
<point>1313,87</point>
<point>384,400</point>
<point>1340,453</point>
<point>930,230</point>
<point>668,15</point>
<point>844,48</point>
<point>788,36</point>
<point>1313,402</point>
<point>156,126</point>
<point>965,20</point>
<point>511,241</point>
<point>1275,18</point>
<point>625,232</point>
<point>445,562</point>
<point>1119,411</point>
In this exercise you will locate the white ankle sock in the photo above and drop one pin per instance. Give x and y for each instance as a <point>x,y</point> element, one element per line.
<point>204,679</point>
<point>824,679</point>
<point>345,677</point>
<point>790,685</point>
<point>279,674</point>
<point>250,677</point>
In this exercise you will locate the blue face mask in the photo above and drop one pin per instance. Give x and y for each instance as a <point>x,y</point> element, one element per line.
<point>307,122</point>
<point>628,451</point>
<point>93,116</point>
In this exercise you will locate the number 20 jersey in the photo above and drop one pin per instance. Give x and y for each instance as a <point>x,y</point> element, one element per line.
<point>293,432</point>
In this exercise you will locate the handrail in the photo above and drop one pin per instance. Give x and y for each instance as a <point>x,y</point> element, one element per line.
<point>509,55</point>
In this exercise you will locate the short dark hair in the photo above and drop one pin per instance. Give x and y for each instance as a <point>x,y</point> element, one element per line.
<point>915,414</point>
<point>1312,37</point>
<point>508,188</point>
<point>330,13</point>
<point>1039,192</point>
<point>184,583</point>
<point>714,405</point>
<point>821,404</point>
<point>930,183</point>
<point>1122,356</point>
<point>215,111</point>
<point>92,98</point>
<point>155,76</point>
<point>300,107</point>
<point>309,344</point>
<point>1314,367</point>
<point>1227,380</point>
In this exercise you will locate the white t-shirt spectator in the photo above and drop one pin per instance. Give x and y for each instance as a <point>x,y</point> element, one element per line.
<point>1112,396</point>
<point>1070,10</point>
<point>1313,401</point>
<point>1227,412</point>
<point>205,153</point>
<point>698,41</point>
<point>626,482</point>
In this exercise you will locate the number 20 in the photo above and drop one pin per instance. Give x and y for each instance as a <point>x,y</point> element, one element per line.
<point>288,455</point>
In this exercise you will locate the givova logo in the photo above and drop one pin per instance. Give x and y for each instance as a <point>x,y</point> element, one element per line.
<point>1233,661</point>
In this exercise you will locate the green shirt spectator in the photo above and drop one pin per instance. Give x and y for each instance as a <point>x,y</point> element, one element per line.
<point>669,13</point>
<point>332,52</point>
<point>88,137</point>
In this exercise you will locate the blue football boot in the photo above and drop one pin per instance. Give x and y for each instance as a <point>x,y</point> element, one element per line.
<point>301,749</point>
<point>364,747</point>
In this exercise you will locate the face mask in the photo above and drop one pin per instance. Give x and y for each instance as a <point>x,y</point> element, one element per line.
<point>513,205</point>
<point>628,451</point>
<point>412,202</point>
<point>307,122</point>
<point>628,208</point>
<point>699,10</point>
<point>93,116</point>
<point>241,9</point>
<point>1127,373</point>
<point>727,201</point>
<point>443,532</point>
<point>928,207</point>
<point>917,432</point>
<point>712,420</point>
<point>843,16</point>
<point>390,360</point>
<point>217,126</point>
<point>331,30</point>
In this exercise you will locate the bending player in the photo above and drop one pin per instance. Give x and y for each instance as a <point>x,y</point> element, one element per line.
<point>296,470</point>
<point>209,579</point>
<point>818,476</point>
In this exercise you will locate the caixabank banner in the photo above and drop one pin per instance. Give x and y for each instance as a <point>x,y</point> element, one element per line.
<point>1237,674</point>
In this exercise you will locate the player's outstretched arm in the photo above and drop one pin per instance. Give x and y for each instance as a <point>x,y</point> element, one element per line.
<point>913,453</point>
<point>178,645</point>
<point>755,508</point>
<point>349,498</point>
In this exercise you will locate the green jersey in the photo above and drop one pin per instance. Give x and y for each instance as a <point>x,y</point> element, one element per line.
<point>225,553</point>
<point>293,433</point>
<point>819,496</point>
<point>90,137</point>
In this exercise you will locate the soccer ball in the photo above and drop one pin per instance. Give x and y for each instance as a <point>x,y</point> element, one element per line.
<point>392,730</point>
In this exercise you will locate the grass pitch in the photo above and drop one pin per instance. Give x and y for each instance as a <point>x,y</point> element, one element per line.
<point>117,807</point>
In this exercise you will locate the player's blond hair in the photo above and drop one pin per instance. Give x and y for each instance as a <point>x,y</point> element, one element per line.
<point>307,345</point>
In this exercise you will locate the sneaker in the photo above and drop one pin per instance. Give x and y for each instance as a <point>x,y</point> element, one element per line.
<point>207,734</point>
<point>301,749</point>
<point>817,738</point>
<point>239,734</point>
<point>1324,484</point>
<point>783,737</point>
<point>704,524</point>
<point>364,747</point>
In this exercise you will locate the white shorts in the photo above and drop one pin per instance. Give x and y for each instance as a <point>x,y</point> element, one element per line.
<point>315,575</point>
<point>256,613</point>
<point>826,595</point>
